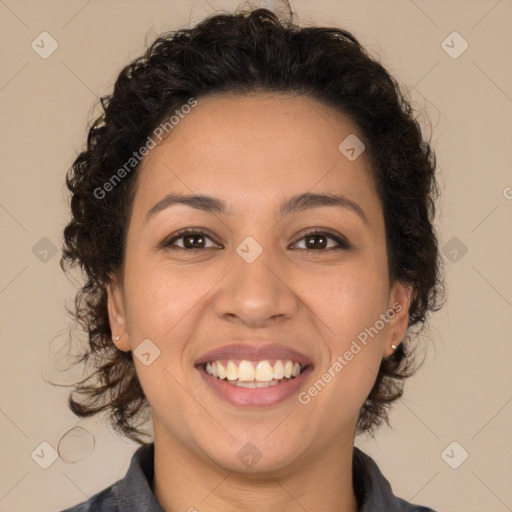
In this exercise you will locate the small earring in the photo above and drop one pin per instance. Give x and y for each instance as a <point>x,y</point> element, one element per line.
<point>117,338</point>
<point>393,347</point>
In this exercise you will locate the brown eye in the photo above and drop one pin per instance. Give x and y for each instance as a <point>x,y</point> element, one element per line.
<point>321,241</point>
<point>188,240</point>
<point>317,241</point>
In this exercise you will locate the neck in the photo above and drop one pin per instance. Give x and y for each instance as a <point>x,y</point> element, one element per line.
<point>189,480</point>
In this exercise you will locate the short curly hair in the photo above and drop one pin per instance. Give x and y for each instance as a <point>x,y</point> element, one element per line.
<point>249,51</point>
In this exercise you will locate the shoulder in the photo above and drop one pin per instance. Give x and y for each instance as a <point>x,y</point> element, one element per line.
<point>405,506</point>
<point>102,501</point>
<point>132,492</point>
<point>374,492</point>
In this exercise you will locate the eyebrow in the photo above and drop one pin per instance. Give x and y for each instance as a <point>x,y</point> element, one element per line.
<point>294,204</point>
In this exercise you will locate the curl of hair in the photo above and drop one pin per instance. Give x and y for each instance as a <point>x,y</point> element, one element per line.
<point>243,53</point>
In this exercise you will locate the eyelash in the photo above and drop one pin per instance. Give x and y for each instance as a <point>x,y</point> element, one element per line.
<point>168,244</point>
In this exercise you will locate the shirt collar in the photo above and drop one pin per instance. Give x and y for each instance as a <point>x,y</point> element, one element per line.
<point>373,492</point>
<point>134,492</point>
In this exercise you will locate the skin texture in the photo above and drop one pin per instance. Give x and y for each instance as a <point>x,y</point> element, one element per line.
<point>254,152</point>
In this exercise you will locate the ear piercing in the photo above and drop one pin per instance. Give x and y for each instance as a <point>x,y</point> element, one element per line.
<point>394,347</point>
<point>117,338</point>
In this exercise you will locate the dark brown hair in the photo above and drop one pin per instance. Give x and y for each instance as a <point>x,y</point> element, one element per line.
<point>246,52</point>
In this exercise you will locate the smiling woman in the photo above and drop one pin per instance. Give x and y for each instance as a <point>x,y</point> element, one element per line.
<point>253,282</point>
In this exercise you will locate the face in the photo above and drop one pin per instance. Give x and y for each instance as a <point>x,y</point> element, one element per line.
<point>311,277</point>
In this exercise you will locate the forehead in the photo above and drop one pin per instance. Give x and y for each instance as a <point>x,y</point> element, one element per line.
<point>254,150</point>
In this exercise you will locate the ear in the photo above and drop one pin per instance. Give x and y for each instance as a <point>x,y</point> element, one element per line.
<point>116,315</point>
<point>399,304</point>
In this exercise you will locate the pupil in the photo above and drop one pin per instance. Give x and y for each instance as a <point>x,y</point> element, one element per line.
<point>187,239</point>
<point>314,244</point>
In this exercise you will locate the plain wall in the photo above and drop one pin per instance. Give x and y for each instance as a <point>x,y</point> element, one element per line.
<point>462,393</point>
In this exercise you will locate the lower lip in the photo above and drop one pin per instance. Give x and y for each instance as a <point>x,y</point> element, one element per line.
<point>254,397</point>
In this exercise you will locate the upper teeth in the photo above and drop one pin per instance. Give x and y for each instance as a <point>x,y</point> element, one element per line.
<point>253,370</point>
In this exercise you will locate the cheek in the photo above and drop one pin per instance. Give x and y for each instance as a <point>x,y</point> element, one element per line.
<point>159,294</point>
<point>161,304</point>
<point>349,301</point>
<point>165,303</point>
<point>348,298</point>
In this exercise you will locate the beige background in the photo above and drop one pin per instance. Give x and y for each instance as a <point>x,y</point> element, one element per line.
<point>463,392</point>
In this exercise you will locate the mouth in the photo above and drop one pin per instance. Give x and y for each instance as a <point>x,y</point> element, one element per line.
<point>254,384</point>
<point>254,374</point>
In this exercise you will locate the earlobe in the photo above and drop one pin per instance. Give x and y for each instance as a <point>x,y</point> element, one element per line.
<point>116,316</point>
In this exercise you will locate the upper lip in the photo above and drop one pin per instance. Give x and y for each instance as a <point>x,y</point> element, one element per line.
<point>254,352</point>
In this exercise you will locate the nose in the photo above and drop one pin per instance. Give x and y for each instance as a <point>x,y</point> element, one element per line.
<point>255,294</point>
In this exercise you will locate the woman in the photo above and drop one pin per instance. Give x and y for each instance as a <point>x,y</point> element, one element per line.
<point>253,212</point>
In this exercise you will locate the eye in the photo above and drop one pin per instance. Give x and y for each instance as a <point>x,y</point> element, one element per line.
<point>318,240</point>
<point>315,240</point>
<point>190,239</point>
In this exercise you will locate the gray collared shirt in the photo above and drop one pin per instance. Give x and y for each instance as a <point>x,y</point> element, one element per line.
<point>133,493</point>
